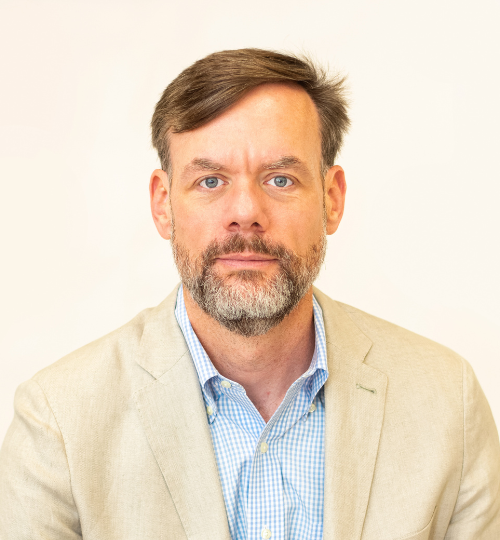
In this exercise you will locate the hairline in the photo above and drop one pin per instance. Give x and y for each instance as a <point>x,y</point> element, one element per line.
<point>323,166</point>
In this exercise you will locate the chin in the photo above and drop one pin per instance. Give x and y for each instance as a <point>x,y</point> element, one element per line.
<point>245,276</point>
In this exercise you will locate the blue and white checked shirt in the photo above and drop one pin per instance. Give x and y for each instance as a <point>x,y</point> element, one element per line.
<point>272,474</point>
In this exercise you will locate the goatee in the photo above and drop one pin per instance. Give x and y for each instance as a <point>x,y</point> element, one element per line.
<point>246,301</point>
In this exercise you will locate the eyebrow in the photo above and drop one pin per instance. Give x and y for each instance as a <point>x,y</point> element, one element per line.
<point>284,163</point>
<point>205,164</point>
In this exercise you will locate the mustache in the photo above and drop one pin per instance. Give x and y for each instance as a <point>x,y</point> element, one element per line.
<point>238,243</point>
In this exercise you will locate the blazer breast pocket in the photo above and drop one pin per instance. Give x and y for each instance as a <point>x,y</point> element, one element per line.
<point>423,534</point>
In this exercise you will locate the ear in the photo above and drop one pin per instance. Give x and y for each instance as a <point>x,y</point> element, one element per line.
<point>335,188</point>
<point>159,192</point>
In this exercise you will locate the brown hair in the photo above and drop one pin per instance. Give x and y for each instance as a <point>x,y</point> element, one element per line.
<point>211,85</point>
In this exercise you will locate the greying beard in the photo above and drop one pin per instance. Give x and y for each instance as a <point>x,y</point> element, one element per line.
<point>245,301</point>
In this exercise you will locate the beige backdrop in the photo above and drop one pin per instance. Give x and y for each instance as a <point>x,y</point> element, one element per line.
<point>419,244</point>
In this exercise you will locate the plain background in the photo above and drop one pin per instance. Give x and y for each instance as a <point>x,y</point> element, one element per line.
<point>419,243</point>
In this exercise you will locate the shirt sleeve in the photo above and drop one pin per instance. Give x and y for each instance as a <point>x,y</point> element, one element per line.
<point>36,501</point>
<point>477,510</point>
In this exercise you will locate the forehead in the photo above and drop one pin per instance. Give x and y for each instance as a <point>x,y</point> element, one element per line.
<point>270,121</point>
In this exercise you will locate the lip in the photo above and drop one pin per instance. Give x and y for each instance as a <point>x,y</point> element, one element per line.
<point>246,260</point>
<point>246,257</point>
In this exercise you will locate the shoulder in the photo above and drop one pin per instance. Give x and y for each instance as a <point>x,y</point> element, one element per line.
<point>398,352</point>
<point>395,340</point>
<point>110,361</point>
<point>101,359</point>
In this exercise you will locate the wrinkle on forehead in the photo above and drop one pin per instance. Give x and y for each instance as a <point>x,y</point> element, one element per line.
<point>267,129</point>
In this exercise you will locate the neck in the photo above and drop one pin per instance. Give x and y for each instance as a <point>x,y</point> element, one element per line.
<point>265,365</point>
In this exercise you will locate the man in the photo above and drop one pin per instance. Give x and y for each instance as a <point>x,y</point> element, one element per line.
<point>248,404</point>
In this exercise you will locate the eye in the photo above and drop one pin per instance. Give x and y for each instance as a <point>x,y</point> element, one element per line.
<point>280,181</point>
<point>211,182</point>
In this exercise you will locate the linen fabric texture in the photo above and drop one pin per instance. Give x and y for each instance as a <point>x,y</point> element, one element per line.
<point>112,441</point>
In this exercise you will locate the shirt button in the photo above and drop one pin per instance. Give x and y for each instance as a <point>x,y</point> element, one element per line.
<point>312,408</point>
<point>263,449</point>
<point>210,410</point>
<point>266,533</point>
<point>226,384</point>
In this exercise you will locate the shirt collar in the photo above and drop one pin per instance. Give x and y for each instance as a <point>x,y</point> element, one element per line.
<point>206,369</point>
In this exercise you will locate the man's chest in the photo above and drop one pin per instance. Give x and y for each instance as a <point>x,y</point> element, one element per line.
<point>272,475</point>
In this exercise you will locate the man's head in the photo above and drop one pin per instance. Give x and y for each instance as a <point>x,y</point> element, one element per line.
<point>249,187</point>
<point>211,85</point>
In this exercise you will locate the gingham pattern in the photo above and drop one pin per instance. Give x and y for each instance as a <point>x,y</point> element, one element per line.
<point>277,493</point>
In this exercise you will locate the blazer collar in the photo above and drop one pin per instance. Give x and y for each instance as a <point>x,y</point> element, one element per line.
<point>162,342</point>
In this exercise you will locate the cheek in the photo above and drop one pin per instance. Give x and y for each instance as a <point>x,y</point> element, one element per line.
<point>306,215</point>
<point>298,229</point>
<point>310,232</point>
<point>193,228</point>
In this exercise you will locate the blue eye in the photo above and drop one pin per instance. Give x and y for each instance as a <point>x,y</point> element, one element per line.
<point>281,181</point>
<point>211,182</point>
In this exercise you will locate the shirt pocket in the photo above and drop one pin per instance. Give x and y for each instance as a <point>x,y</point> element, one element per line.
<point>423,534</point>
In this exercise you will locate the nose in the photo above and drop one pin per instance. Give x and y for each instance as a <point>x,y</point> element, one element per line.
<point>244,208</point>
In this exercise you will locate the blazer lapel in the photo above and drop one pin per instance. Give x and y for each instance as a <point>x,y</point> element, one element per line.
<point>354,408</point>
<point>174,418</point>
<point>173,414</point>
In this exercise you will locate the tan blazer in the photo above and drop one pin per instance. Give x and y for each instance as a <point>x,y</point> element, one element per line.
<point>112,441</point>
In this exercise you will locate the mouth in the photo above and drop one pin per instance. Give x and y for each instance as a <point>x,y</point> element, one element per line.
<point>246,260</point>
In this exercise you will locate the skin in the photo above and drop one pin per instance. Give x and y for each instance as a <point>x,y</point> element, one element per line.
<point>244,148</point>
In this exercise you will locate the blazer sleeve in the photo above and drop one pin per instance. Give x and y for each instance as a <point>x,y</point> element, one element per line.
<point>36,501</point>
<point>477,509</point>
